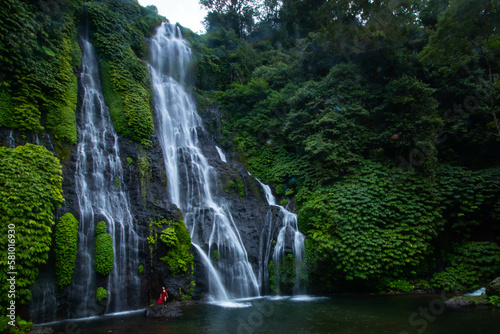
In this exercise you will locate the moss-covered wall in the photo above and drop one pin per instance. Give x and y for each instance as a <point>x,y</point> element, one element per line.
<point>119,30</point>
<point>30,190</point>
<point>38,57</point>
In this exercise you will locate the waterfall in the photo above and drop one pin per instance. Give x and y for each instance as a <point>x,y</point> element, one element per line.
<point>222,156</point>
<point>101,197</point>
<point>288,236</point>
<point>191,180</point>
<point>11,142</point>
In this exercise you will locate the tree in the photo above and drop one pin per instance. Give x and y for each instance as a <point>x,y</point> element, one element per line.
<point>468,35</point>
<point>237,14</point>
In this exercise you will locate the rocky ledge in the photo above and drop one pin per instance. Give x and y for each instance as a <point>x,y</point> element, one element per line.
<point>170,311</point>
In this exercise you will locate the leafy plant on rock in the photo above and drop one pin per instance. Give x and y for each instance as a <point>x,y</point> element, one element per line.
<point>66,239</point>
<point>30,190</point>
<point>103,250</point>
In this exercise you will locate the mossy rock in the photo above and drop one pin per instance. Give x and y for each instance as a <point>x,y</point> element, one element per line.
<point>466,301</point>
<point>493,289</point>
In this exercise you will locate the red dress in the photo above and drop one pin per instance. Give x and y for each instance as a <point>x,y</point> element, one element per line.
<point>162,297</point>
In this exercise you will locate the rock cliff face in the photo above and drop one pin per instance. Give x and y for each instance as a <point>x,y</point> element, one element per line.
<point>146,186</point>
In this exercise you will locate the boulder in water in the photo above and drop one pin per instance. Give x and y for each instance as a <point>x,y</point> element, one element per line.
<point>463,302</point>
<point>493,289</point>
<point>170,311</point>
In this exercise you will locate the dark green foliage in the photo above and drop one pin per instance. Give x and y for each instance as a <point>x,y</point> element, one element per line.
<point>366,226</point>
<point>103,250</point>
<point>471,264</point>
<point>30,190</point>
<point>287,275</point>
<point>495,301</point>
<point>65,247</point>
<point>383,139</point>
<point>101,294</point>
<point>411,110</point>
<point>38,84</point>
<point>119,32</point>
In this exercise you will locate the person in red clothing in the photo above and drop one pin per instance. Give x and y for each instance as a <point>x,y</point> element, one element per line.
<point>163,298</point>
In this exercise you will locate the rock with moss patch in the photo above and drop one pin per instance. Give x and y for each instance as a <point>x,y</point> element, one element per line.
<point>464,302</point>
<point>493,289</point>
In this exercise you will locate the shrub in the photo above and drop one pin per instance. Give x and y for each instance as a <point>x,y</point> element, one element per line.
<point>100,228</point>
<point>178,241</point>
<point>101,294</point>
<point>66,238</point>
<point>103,250</point>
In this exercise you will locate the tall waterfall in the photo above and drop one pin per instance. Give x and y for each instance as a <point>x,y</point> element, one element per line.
<point>101,197</point>
<point>288,237</point>
<point>191,180</point>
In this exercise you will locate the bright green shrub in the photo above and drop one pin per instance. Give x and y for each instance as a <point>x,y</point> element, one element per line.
<point>65,247</point>
<point>101,294</point>
<point>100,228</point>
<point>30,190</point>
<point>103,250</point>
<point>178,241</point>
<point>21,326</point>
<point>169,237</point>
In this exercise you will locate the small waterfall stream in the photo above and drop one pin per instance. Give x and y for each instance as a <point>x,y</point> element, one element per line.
<point>101,197</point>
<point>288,236</point>
<point>222,156</point>
<point>191,180</point>
<point>11,142</point>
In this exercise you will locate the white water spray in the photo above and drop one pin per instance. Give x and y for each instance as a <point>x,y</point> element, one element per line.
<point>101,197</point>
<point>221,154</point>
<point>191,180</point>
<point>288,235</point>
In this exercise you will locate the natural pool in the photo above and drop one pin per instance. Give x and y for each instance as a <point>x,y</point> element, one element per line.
<point>334,314</point>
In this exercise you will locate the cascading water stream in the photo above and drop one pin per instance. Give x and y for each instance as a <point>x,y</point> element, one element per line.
<point>101,197</point>
<point>11,142</point>
<point>288,234</point>
<point>222,156</point>
<point>190,178</point>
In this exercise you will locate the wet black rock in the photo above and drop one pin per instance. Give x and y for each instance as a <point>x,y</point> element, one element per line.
<point>169,311</point>
<point>41,330</point>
